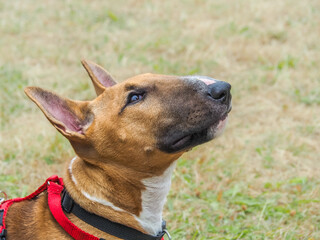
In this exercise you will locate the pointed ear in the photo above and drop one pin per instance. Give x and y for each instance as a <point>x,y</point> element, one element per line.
<point>101,79</point>
<point>71,118</point>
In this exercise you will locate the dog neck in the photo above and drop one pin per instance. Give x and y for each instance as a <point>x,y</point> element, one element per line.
<point>146,209</point>
<point>153,199</point>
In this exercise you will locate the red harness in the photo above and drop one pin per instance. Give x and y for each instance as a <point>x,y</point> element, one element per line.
<point>54,186</point>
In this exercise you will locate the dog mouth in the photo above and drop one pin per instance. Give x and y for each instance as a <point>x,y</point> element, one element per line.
<point>183,142</point>
<point>204,135</point>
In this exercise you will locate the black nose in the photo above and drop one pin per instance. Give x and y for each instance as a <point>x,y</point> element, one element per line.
<point>220,91</point>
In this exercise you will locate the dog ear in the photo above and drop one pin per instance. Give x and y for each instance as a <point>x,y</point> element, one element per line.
<point>101,79</point>
<point>71,118</point>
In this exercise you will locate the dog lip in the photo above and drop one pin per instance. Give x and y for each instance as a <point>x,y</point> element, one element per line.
<point>187,141</point>
<point>181,141</point>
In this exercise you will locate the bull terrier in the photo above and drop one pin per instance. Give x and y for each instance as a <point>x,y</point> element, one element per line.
<point>127,141</point>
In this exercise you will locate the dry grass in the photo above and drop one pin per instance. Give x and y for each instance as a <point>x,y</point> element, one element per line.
<point>260,179</point>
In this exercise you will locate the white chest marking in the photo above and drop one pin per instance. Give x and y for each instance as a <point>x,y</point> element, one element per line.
<point>153,199</point>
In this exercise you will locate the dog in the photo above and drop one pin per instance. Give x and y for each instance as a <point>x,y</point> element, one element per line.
<point>127,141</point>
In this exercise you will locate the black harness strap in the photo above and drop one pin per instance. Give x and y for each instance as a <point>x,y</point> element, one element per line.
<point>105,225</point>
<point>3,233</point>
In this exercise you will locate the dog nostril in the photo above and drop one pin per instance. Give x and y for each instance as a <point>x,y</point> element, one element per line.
<point>219,91</point>
<point>221,96</point>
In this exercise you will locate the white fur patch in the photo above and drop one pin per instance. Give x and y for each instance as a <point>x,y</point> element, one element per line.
<point>153,200</point>
<point>101,201</point>
<point>70,170</point>
<point>205,79</point>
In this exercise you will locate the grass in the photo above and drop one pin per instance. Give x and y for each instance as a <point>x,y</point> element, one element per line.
<point>260,180</point>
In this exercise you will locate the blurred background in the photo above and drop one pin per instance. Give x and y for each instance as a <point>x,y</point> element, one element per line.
<point>260,180</point>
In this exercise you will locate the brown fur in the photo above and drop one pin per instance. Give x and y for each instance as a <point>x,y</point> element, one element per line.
<point>117,147</point>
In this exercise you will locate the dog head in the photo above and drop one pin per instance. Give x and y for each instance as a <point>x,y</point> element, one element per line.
<point>144,122</point>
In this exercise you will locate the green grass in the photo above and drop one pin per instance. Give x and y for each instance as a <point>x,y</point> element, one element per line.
<point>238,212</point>
<point>260,180</point>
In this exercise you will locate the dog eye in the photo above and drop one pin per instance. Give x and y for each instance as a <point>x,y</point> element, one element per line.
<point>135,97</point>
